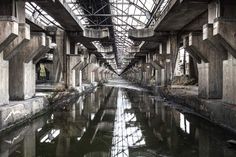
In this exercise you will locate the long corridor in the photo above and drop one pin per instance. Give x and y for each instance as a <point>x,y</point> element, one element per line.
<point>118,120</point>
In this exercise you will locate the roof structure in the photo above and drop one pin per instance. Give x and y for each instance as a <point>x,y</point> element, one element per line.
<point>119,16</point>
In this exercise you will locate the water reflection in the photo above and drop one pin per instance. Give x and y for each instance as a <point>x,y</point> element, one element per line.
<point>117,122</point>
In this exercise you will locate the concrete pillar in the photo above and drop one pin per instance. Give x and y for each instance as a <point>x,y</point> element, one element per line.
<point>9,31</point>
<point>144,76</point>
<point>30,144</point>
<point>72,62</point>
<point>210,68</point>
<point>4,81</point>
<point>21,86</point>
<point>224,29</point>
<point>90,72</point>
<point>58,57</point>
<point>218,34</point>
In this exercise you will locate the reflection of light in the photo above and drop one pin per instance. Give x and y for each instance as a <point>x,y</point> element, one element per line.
<point>92,116</point>
<point>51,135</point>
<point>124,137</point>
<point>184,124</point>
<point>39,129</point>
<point>52,116</point>
<point>78,138</point>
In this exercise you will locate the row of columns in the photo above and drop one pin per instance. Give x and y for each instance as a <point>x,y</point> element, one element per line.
<point>213,50</point>
<point>21,49</point>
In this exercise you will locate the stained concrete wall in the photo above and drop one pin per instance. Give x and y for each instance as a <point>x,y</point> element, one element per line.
<point>22,79</point>
<point>4,78</point>
<point>72,73</point>
<point>229,81</point>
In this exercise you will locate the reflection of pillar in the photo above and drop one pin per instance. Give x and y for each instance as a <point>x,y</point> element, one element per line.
<point>204,142</point>
<point>144,77</point>
<point>30,144</point>
<point>80,78</point>
<point>63,144</point>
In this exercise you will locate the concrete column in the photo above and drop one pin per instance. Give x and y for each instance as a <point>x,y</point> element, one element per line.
<point>30,144</point>
<point>210,68</point>
<point>72,62</point>
<point>21,86</point>
<point>9,31</point>
<point>80,78</point>
<point>58,57</point>
<point>90,69</point>
<point>4,81</point>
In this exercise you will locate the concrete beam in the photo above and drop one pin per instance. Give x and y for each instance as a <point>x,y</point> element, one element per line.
<point>222,31</point>
<point>141,33</point>
<point>210,70</point>
<point>46,48</point>
<point>35,25</point>
<point>96,33</point>
<point>147,34</point>
<point>213,42</point>
<point>35,46</point>
<point>62,13</point>
<point>193,53</point>
<point>178,14</point>
<point>17,44</point>
<point>105,49</point>
<point>134,49</point>
<point>197,47</point>
<point>9,31</point>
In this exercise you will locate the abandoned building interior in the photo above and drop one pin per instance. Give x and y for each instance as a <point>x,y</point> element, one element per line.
<point>117,78</point>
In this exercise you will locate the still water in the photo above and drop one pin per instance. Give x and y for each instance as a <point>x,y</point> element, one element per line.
<point>117,121</point>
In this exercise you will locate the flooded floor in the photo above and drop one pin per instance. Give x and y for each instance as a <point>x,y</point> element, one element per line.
<point>118,120</point>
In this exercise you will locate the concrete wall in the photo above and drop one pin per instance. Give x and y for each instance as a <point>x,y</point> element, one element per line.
<point>72,77</point>
<point>4,78</point>
<point>229,81</point>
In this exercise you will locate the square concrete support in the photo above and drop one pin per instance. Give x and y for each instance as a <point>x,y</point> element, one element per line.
<point>229,81</point>
<point>22,70</point>
<point>210,69</point>
<point>73,61</point>
<point>9,31</point>
<point>17,44</point>
<point>21,78</point>
<point>91,76</point>
<point>4,79</point>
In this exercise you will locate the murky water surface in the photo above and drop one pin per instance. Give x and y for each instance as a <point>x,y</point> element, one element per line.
<point>117,120</point>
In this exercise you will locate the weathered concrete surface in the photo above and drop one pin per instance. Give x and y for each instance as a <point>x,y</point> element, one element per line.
<point>141,34</point>
<point>21,86</point>
<point>35,46</point>
<point>73,61</point>
<point>229,81</point>
<point>22,39</point>
<point>62,13</point>
<point>224,31</point>
<point>18,111</point>
<point>21,66</point>
<point>210,69</point>
<point>9,31</point>
<point>4,80</point>
<point>46,48</point>
<point>216,111</point>
<point>178,14</point>
<point>96,33</point>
